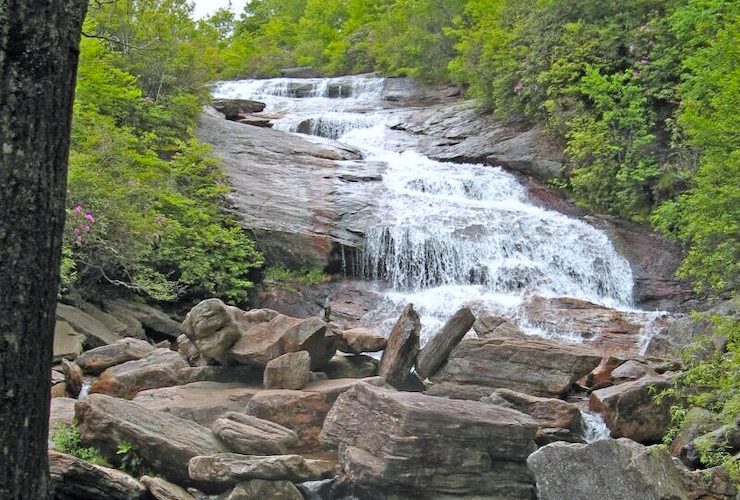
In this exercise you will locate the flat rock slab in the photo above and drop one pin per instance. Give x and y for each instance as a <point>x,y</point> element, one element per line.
<point>201,402</point>
<point>101,358</point>
<point>254,436</point>
<point>164,442</point>
<point>612,469</point>
<point>94,332</point>
<point>231,468</point>
<point>72,478</point>
<point>547,412</point>
<point>410,443</point>
<point>67,341</point>
<point>531,365</point>
<point>157,369</point>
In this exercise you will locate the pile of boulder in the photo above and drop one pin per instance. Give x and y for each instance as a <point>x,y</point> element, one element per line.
<point>257,404</point>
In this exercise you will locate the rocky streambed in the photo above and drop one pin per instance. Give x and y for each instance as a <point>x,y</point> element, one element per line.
<point>482,338</point>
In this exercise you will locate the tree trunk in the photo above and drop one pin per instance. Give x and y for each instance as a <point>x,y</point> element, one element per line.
<point>39,46</point>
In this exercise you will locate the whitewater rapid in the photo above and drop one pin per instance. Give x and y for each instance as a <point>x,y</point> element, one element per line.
<point>447,234</point>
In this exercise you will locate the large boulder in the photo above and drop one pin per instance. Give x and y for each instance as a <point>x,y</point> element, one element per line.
<point>231,468</point>
<point>303,411</point>
<point>630,409</point>
<point>253,436</point>
<point>403,346</point>
<point>611,469</point>
<point>359,340</point>
<point>159,368</point>
<point>101,358</point>
<point>201,402</point>
<point>75,479</point>
<point>531,365</point>
<point>438,347</point>
<point>282,334</point>
<point>697,422</point>
<point>214,327</point>
<point>292,370</point>
<point>165,443</point>
<point>429,447</point>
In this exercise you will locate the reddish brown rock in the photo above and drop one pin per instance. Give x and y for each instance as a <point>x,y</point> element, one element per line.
<point>440,345</point>
<point>359,340</point>
<point>547,412</point>
<point>630,409</point>
<point>101,358</point>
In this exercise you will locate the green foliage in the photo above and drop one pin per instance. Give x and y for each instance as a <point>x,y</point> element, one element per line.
<point>144,196</point>
<point>131,461</point>
<point>284,277</point>
<point>66,439</point>
<point>711,381</point>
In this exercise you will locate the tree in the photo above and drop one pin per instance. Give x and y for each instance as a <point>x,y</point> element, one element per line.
<point>39,46</point>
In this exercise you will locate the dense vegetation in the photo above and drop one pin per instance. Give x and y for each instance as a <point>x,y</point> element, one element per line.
<point>144,199</point>
<point>643,94</point>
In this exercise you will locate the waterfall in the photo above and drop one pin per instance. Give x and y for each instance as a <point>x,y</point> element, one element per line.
<point>594,427</point>
<point>447,235</point>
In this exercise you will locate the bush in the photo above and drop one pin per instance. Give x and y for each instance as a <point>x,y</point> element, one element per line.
<point>66,439</point>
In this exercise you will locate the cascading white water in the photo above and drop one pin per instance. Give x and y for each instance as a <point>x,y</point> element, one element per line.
<point>447,234</point>
<point>594,427</point>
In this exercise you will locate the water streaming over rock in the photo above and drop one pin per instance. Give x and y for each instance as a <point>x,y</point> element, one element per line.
<point>447,234</point>
<point>594,427</point>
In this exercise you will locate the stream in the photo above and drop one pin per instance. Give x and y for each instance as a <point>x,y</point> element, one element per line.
<point>447,234</point>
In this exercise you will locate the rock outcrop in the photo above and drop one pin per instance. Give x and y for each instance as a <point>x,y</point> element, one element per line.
<point>292,194</point>
<point>291,370</point>
<point>414,445</point>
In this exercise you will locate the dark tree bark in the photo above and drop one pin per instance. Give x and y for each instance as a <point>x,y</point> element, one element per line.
<point>39,46</point>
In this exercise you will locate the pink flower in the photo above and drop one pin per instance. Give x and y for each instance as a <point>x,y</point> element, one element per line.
<point>77,230</point>
<point>635,73</point>
<point>78,209</point>
<point>79,239</point>
<point>86,228</point>
<point>644,60</point>
<point>90,217</point>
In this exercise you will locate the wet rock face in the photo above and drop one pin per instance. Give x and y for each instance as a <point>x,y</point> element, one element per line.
<point>459,447</point>
<point>290,193</point>
<point>612,469</point>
